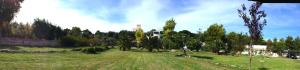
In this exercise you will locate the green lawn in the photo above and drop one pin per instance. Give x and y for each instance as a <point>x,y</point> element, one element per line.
<point>259,62</point>
<point>134,60</point>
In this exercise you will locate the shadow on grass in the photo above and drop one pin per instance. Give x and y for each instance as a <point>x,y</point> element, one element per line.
<point>203,57</point>
<point>163,51</point>
<point>263,68</point>
<point>9,47</point>
<point>138,50</point>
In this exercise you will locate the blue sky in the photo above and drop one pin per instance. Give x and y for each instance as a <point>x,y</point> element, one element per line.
<point>115,15</point>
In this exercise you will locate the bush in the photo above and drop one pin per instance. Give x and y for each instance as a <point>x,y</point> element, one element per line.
<point>90,50</point>
<point>70,41</point>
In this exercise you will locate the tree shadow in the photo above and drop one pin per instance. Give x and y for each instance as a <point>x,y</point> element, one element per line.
<point>263,68</point>
<point>204,57</point>
<point>162,51</point>
<point>137,50</point>
<point>9,47</point>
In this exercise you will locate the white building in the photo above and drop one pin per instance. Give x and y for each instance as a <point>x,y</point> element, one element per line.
<point>257,49</point>
<point>260,50</point>
<point>156,34</point>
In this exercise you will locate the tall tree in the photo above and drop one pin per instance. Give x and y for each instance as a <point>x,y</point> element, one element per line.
<point>14,28</point>
<point>55,32</point>
<point>139,34</point>
<point>254,23</point>
<point>66,32</point>
<point>297,43</point>
<point>76,31</point>
<point>124,41</point>
<point>110,38</point>
<point>275,45</point>
<point>41,28</point>
<point>236,42</point>
<point>260,41</point>
<point>21,30</point>
<point>243,40</point>
<point>182,38</point>
<point>87,34</point>
<point>8,9</point>
<point>289,43</point>
<point>269,45</point>
<point>98,34</point>
<point>199,40</point>
<point>233,42</point>
<point>281,46</point>
<point>214,37</point>
<point>168,31</point>
<point>28,30</point>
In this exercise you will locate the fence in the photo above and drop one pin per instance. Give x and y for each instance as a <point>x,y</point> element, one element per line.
<point>27,42</point>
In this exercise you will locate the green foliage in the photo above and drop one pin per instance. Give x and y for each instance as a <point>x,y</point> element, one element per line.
<point>125,40</point>
<point>20,30</point>
<point>260,41</point>
<point>168,43</point>
<point>99,34</point>
<point>139,36</point>
<point>194,43</point>
<point>151,43</point>
<point>183,38</point>
<point>73,41</point>
<point>108,39</point>
<point>87,34</point>
<point>296,43</point>
<point>8,9</point>
<point>169,28</point>
<point>43,29</point>
<point>275,45</point>
<point>92,50</point>
<point>76,31</point>
<point>279,46</point>
<point>289,43</point>
<point>236,42</point>
<point>70,41</point>
<point>214,38</point>
<point>269,45</point>
<point>233,42</point>
<point>168,31</point>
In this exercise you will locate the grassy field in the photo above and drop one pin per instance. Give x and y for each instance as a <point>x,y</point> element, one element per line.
<point>134,60</point>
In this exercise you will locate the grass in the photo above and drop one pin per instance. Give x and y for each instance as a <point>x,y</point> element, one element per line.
<point>258,63</point>
<point>134,60</point>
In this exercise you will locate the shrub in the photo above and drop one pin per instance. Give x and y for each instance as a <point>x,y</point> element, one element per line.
<point>70,41</point>
<point>90,50</point>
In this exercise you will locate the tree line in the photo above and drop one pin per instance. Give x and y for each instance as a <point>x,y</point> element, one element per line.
<point>214,39</point>
<point>279,45</point>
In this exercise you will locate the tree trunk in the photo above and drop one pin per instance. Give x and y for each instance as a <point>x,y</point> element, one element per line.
<point>250,54</point>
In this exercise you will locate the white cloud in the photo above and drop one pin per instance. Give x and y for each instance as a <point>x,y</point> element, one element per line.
<point>146,14</point>
<point>53,11</point>
<point>209,12</point>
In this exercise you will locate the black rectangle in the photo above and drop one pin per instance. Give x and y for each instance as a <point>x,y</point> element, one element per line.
<point>277,1</point>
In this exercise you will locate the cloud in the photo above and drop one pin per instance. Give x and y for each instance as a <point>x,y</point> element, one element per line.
<point>151,14</point>
<point>210,12</point>
<point>116,15</point>
<point>53,11</point>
